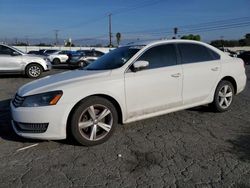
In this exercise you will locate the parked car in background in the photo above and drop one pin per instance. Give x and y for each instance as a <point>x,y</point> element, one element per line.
<point>42,52</point>
<point>128,84</point>
<point>245,56</point>
<point>228,52</point>
<point>34,52</point>
<point>57,56</point>
<point>76,61</point>
<point>238,52</point>
<point>82,58</point>
<point>13,60</point>
<point>49,52</point>
<point>90,55</point>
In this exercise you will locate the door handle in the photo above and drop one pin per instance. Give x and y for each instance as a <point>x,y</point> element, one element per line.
<point>176,75</point>
<point>215,68</point>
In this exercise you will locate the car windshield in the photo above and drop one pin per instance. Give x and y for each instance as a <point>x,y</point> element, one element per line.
<point>114,59</point>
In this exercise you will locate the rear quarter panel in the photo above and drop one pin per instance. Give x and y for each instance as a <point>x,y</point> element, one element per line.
<point>234,67</point>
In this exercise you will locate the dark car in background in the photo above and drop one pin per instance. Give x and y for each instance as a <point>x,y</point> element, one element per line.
<point>34,52</point>
<point>245,56</point>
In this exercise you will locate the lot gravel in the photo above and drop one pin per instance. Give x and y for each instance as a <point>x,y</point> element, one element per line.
<point>190,148</point>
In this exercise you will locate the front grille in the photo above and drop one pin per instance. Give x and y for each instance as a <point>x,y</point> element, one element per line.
<point>17,101</point>
<point>31,127</point>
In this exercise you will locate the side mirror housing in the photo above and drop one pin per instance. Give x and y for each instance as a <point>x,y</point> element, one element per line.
<point>140,65</point>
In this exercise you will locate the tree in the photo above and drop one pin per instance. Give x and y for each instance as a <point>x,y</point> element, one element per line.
<point>118,38</point>
<point>226,43</point>
<point>21,44</point>
<point>43,44</point>
<point>247,36</point>
<point>191,37</point>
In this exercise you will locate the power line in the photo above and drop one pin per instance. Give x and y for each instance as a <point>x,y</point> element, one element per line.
<point>136,6</point>
<point>113,12</point>
<point>211,23</point>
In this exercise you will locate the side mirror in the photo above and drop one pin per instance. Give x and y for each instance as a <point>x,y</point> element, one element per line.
<point>14,53</point>
<point>140,65</point>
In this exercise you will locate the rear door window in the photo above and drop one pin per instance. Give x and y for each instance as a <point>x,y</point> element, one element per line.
<point>193,53</point>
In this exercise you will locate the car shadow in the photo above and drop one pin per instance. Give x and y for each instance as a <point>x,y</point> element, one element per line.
<point>6,130</point>
<point>201,109</point>
<point>61,66</point>
<point>12,76</point>
<point>240,146</point>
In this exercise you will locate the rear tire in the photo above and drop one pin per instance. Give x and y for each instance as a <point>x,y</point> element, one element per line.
<point>34,70</point>
<point>93,121</point>
<point>56,61</point>
<point>223,97</point>
<point>82,64</point>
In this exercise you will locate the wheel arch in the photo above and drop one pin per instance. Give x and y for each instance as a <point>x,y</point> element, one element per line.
<point>105,96</point>
<point>232,80</point>
<point>33,63</point>
<point>57,58</point>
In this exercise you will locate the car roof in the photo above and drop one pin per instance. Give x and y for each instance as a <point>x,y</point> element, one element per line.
<point>154,42</point>
<point>158,42</point>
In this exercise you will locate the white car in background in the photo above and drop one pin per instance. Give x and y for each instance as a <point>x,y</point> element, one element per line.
<point>57,56</point>
<point>14,61</point>
<point>128,84</point>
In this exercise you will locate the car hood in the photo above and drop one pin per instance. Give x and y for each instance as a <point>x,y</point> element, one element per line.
<point>58,81</point>
<point>33,56</point>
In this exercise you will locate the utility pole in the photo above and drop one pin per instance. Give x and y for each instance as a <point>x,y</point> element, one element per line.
<point>175,33</point>
<point>110,31</point>
<point>221,40</point>
<point>56,37</point>
<point>27,40</point>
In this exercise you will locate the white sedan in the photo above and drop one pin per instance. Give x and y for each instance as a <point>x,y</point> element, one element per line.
<point>128,84</point>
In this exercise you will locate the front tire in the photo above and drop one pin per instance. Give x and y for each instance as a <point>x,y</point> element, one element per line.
<point>34,71</point>
<point>93,121</point>
<point>223,96</point>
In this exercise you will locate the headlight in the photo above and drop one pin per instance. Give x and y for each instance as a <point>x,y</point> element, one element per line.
<point>43,99</point>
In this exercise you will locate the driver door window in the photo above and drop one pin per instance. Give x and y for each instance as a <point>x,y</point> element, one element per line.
<point>160,56</point>
<point>5,50</point>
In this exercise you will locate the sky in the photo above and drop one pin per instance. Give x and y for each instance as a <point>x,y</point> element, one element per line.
<point>140,19</point>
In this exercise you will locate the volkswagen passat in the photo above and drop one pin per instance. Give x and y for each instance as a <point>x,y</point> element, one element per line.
<point>128,84</point>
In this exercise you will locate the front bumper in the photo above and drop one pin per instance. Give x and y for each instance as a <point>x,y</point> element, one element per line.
<point>48,65</point>
<point>53,116</point>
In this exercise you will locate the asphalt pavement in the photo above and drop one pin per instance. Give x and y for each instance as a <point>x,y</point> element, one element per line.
<point>189,148</point>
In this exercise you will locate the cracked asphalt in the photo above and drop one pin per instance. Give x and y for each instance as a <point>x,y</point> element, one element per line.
<point>190,148</point>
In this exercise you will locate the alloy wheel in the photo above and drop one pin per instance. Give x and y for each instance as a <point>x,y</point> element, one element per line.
<point>34,71</point>
<point>95,122</point>
<point>225,96</point>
